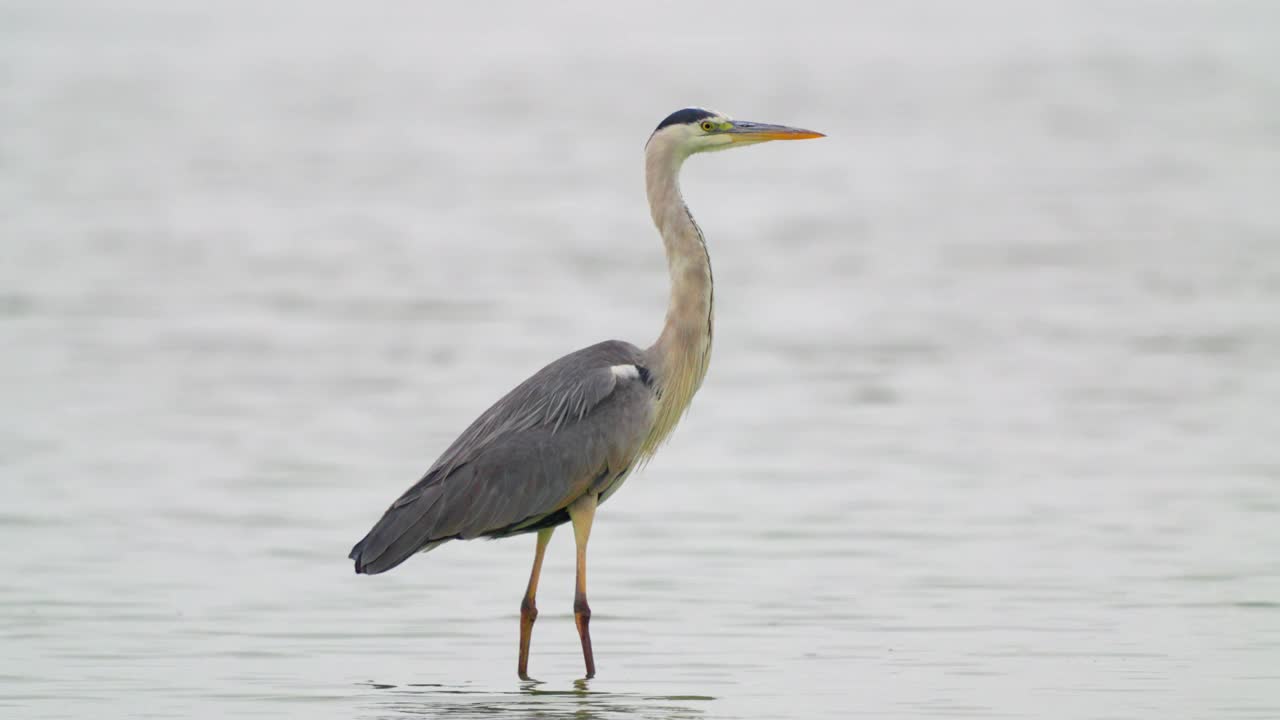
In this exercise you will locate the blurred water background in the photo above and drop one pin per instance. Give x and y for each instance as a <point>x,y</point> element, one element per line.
<point>991,425</point>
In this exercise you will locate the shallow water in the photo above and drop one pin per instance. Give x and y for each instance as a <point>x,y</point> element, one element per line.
<point>990,428</point>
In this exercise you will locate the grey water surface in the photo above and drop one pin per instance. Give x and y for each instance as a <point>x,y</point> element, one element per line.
<point>992,427</point>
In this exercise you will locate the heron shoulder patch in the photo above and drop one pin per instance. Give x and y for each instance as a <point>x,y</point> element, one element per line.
<point>625,372</point>
<point>631,372</point>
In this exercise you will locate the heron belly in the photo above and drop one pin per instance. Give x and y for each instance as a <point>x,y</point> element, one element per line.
<point>611,484</point>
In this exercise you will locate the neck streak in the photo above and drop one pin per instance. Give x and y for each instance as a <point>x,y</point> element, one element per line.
<point>680,356</point>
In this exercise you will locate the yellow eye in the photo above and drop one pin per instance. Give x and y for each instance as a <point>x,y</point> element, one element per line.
<point>708,126</point>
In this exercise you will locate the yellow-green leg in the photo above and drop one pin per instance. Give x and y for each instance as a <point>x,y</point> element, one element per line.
<point>582,512</point>
<point>528,608</point>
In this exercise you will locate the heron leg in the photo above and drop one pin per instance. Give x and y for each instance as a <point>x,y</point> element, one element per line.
<point>528,608</point>
<point>582,512</point>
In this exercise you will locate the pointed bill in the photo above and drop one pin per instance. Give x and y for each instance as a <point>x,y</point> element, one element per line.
<point>744,131</point>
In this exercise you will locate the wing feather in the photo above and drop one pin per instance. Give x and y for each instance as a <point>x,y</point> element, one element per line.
<point>530,454</point>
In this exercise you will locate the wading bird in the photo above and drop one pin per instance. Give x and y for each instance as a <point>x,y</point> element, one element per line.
<point>563,441</point>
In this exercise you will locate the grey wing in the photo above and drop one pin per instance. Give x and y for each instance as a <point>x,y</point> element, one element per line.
<point>574,423</point>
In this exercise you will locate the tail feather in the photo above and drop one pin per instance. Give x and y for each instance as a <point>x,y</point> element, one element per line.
<point>405,529</point>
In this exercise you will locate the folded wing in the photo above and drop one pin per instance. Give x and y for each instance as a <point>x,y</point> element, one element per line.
<point>572,424</point>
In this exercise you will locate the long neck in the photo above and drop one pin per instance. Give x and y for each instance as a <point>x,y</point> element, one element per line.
<point>682,352</point>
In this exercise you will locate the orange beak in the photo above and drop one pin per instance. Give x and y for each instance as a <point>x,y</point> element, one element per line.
<point>743,131</point>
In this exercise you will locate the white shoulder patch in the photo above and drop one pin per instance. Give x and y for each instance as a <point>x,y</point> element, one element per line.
<point>625,372</point>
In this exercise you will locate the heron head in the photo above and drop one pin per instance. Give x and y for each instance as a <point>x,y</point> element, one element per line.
<point>695,130</point>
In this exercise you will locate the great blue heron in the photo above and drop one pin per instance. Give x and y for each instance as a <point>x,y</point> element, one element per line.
<point>563,441</point>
